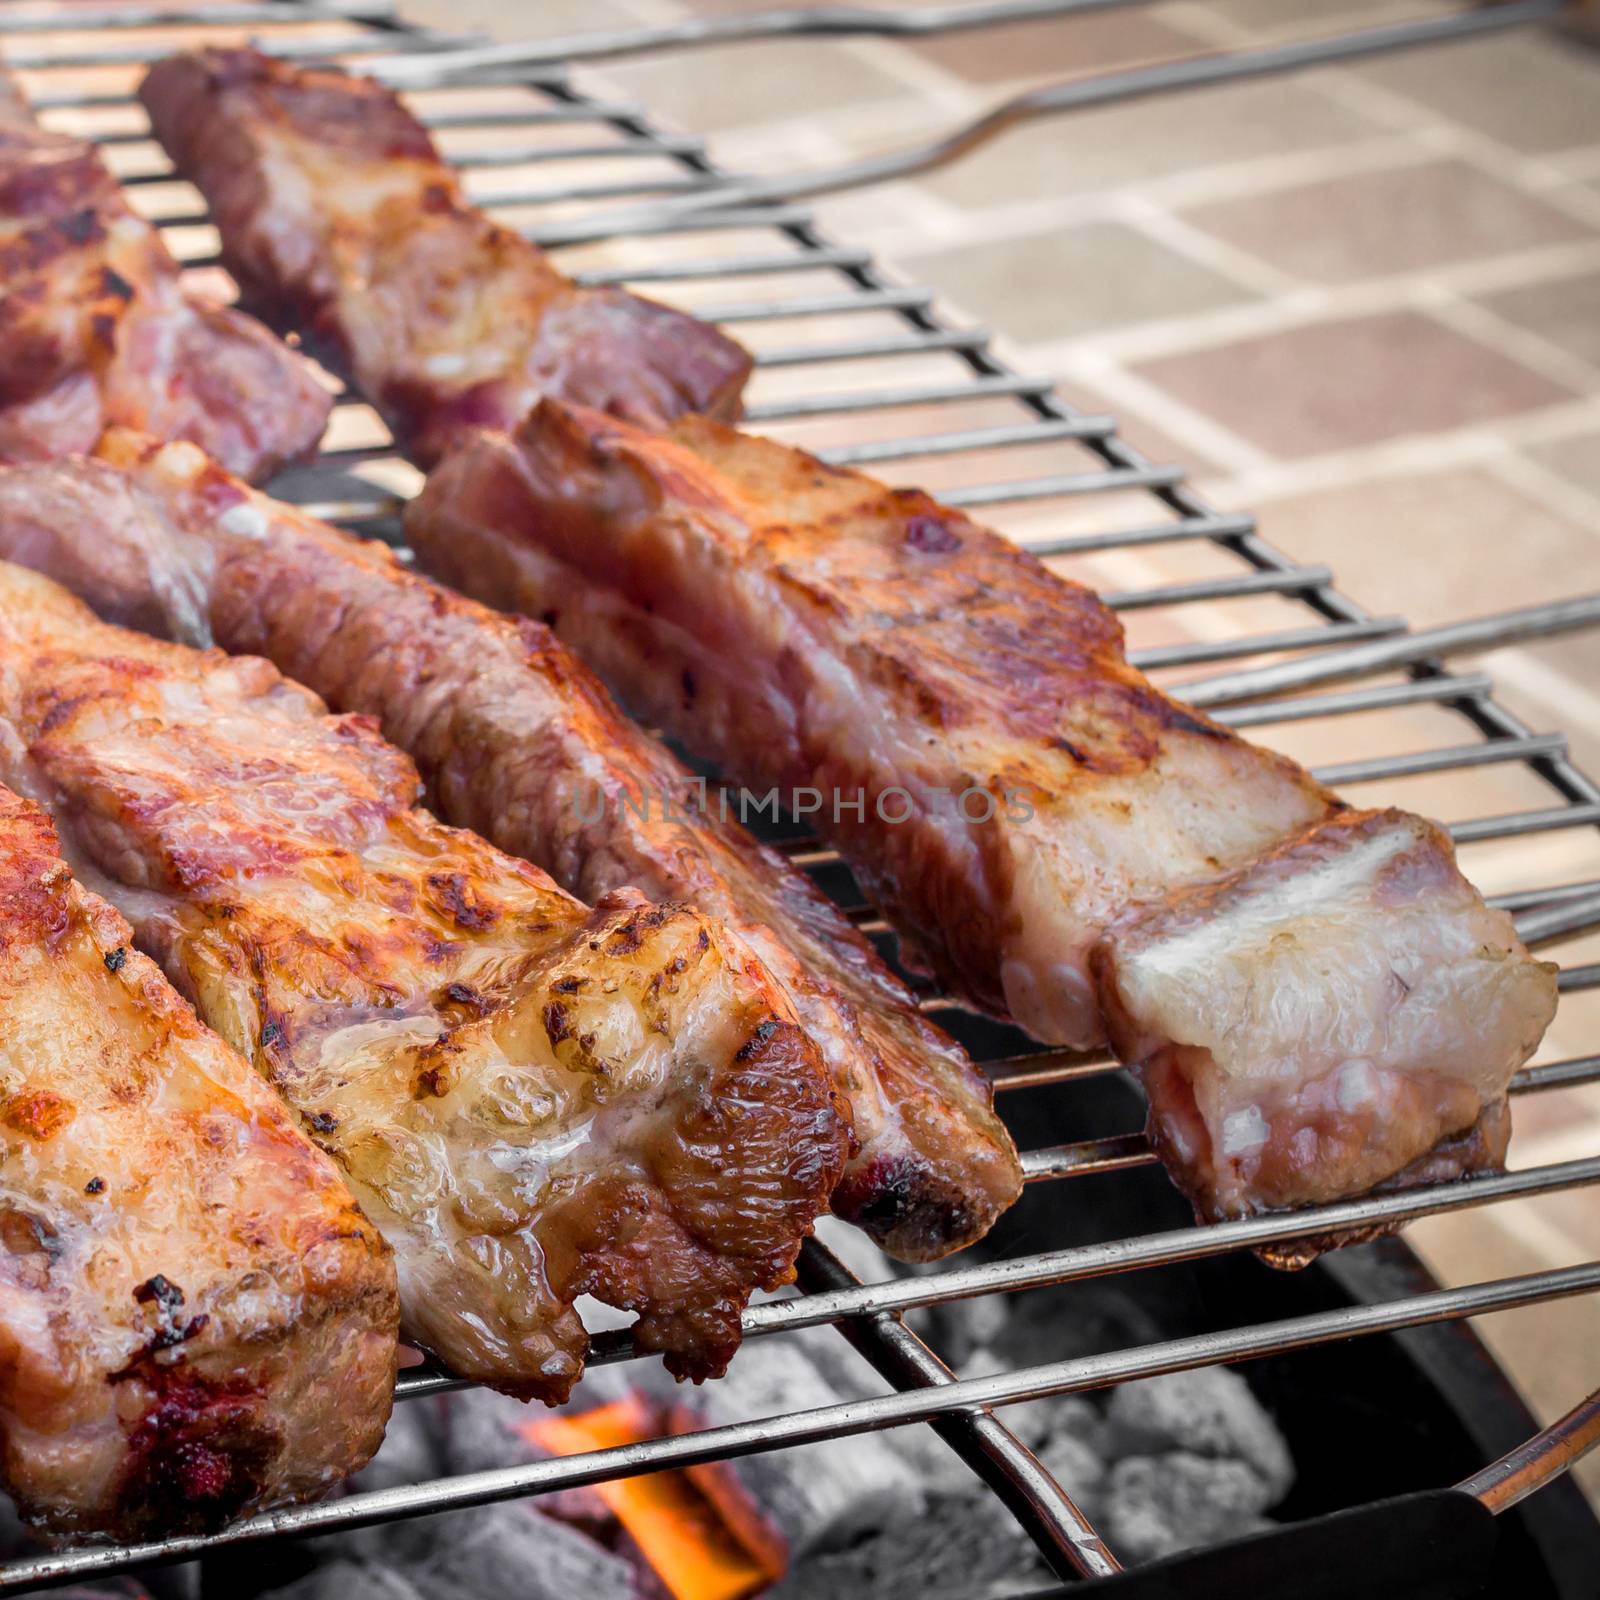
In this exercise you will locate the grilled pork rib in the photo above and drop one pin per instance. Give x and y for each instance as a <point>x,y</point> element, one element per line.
<point>195,1320</point>
<point>518,740</point>
<point>808,627</point>
<point>338,216</point>
<point>96,328</point>
<point>1027,791</point>
<point>530,1099</point>
<point>1312,1025</point>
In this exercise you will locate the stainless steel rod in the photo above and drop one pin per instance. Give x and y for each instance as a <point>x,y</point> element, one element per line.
<point>1420,691</point>
<point>1429,644</point>
<point>274,13</point>
<point>1183,655</point>
<point>1231,66</point>
<point>740,26</point>
<point>1485,753</point>
<point>1065,1536</point>
<point>845,1419</point>
<point>1511,1479</point>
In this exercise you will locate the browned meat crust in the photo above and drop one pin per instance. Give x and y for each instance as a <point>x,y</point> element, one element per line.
<point>338,216</point>
<point>806,626</point>
<point>195,1320</point>
<point>95,327</point>
<point>531,1100</point>
<point>517,739</point>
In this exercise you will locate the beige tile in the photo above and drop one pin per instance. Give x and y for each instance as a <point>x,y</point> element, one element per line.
<point>1436,548</point>
<point>1128,144</point>
<point>1576,459</point>
<point>1074,281</point>
<point>739,85</point>
<point>548,19</point>
<point>1566,311</point>
<point>1535,90</point>
<point>1377,223</point>
<point>1337,385</point>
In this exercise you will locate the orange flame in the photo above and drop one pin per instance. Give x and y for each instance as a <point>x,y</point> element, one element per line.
<point>684,1531</point>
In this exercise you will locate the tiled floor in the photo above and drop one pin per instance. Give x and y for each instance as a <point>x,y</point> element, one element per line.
<point>1365,302</point>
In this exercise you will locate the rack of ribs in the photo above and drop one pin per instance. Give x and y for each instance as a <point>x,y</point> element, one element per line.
<point>96,326</point>
<point>339,217</point>
<point>1036,810</point>
<point>195,1320</point>
<point>532,1100</point>
<point>518,740</point>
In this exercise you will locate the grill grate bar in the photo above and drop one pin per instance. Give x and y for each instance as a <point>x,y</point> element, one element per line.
<point>980,1439</point>
<point>840,1421</point>
<point>353,45</point>
<point>863,349</point>
<point>1442,687</point>
<point>1489,753</point>
<point>1313,638</point>
<point>274,14</point>
<point>861,1311</point>
<point>735,267</point>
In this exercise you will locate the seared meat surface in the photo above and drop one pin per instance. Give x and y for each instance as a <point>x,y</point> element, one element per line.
<point>96,328</point>
<point>1029,796</point>
<point>1313,1024</point>
<point>195,1320</point>
<point>338,216</point>
<point>808,627</point>
<point>518,740</point>
<point>531,1100</point>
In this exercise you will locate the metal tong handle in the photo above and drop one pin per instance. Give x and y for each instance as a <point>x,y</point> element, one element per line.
<point>1075,94</point>
<point>1380,655</point>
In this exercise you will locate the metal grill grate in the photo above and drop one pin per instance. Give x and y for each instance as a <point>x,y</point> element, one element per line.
<point>900,379</point>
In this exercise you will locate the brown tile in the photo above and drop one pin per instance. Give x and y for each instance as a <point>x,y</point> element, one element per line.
<point>1373,224</point>
<point>1577,460</point>
<point>1148,437</point>
<point>1566,311</point>
<point>1535,91</point>
<point>1150,139</point>
<point>741,85</point>
<point>1360,381</point>
<point>1056,47</point>
<point>1073,281</point>
<point>1437,547</point>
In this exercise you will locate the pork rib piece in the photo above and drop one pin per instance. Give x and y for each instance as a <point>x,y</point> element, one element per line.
<point>96,328</point>
<point>531,1100</point>
<point>195,1320</point>
<point>809,628</point>
<point>1343,1013</point>
<point>1026,791</point>
<point>338,216</point>
<point>517,739</point>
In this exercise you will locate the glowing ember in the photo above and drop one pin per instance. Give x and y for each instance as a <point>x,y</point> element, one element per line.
<point>683,1529</point>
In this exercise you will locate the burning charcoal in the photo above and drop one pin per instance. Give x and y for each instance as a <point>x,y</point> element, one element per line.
<point>483,1430</point>
<point>1077,1469</point>
<point>410,1453</point>
<point>497,1551</point>
<point>1209,1412</point>
<point>963,1549</point>
<point>820,1496</point>
<point>1158,1505</point>
<point>348,1580</point>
